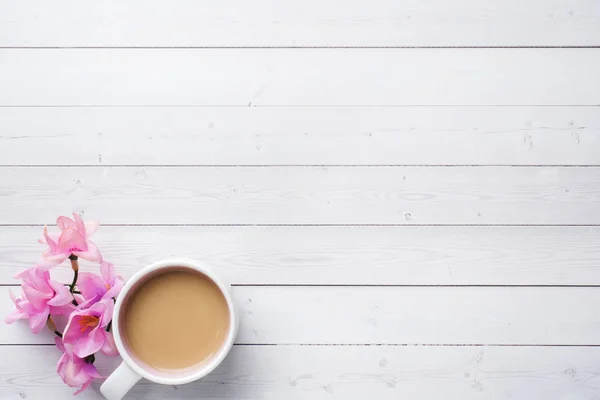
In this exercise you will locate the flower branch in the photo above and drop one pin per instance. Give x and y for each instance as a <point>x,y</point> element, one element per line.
<point>88,301</point>
<point>75,268</point>
<point>52,327</point>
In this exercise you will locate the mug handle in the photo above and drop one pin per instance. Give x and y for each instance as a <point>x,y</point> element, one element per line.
<point>119,382</point>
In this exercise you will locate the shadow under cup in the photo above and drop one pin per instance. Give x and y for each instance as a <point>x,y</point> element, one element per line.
<point>174,322</point>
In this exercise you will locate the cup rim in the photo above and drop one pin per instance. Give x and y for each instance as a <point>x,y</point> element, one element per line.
<point>209,366</point>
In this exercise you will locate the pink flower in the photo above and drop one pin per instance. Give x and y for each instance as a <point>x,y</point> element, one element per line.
<point>86,332</point>
<point>73,370</point>
<point>94,287</point>
<point>73,239</point>
<point>41,297</point>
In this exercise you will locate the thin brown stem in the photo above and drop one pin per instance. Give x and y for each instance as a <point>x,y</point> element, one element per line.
<point>75,267</point>
<point>74,262</point>
<point>52,327</point>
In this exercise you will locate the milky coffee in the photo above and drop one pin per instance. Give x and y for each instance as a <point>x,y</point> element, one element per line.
<point>175,320</point>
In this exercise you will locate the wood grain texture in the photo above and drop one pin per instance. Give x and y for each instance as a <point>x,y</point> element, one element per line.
<point>298,373</point>
<point>309,23</point>
<point>301,135</point>
<point>397,315</point>
<point>350,175</point>
<point>293,77</point>
<point>341,255</point>
<point>303,195</point>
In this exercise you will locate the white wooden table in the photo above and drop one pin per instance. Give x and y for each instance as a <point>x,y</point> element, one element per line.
<point>405,193</point>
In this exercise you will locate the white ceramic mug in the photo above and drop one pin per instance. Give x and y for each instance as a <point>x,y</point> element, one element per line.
<point>130,371</point>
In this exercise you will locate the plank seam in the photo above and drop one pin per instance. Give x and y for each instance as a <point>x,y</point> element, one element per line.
<point>357,345</point>
<point>371,285</point>
<point>332,225</point>
<point>281,106</point>
<point>356,285</point>
<point>299,165</point>
<point>284,47</point>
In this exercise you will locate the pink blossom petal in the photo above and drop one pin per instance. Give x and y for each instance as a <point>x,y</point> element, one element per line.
<point>39,279</point>
<point>64,223</point>
<point>59,344</point>
<point>49,241</point>
<point>81,379</point>
<point>35,297</point>
<point>72,329</point>
<point>14,316</point>
<point>19,313</point>
<point>107,314</point>
<point>79,298</point>
<point>53,236</point>
<point>38,321</point>
<point>62,296</point>
<point>72,241</point>
<point>36,277</point>
<point>26,306</point>
<point>62,310</point>
<point>79,224</point>
<point>97,309</point>
<point>91,371</point>
<point>12,296</point>
<point>91,227</point>
<point>90,343</point>
<point>61,365</point>
<point>45,264</point>
<point>57,258</point>
<point>72,374</point>
<point>91,252</point>
<point>91,285</point>
<point>109,347</point>
<point>84,304</point>
<point>114,291</point>
<point>83,387</point>
<point>108,271</point>
<point>23,274</point>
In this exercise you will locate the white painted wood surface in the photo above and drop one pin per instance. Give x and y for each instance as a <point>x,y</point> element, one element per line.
<point>301,136</point>
<point>151,23</point>
<point>400,316</point>
<point>346,372</point>
<point>304,195</point>
<point>401,218</point>
<point>341,255</point>
<point>299,77</point>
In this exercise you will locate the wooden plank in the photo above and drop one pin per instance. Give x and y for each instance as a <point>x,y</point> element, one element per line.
<point>398,315</point>
<point>308,23</point>
<point>301,135</point>
<point>331,372</point>
<point>280,77</point>
<point>342,255</point>
<point>303,195</point>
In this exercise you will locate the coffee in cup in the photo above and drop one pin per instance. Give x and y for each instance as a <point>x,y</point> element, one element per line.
<point>175,319</point>
<point>173,323</point>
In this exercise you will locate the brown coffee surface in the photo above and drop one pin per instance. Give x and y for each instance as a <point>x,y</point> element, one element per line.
<point>175,320</point>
